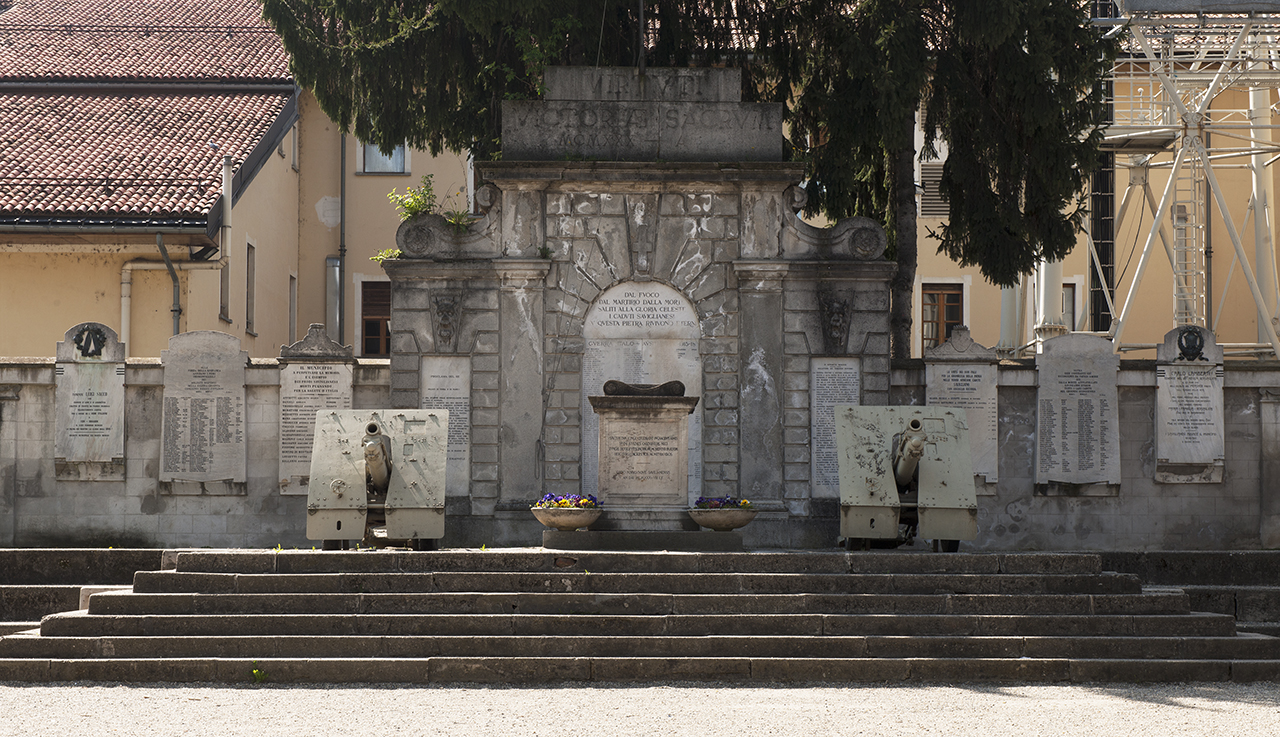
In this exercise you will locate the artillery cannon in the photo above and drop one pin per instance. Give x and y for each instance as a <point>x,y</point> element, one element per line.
<point>377,476</point>
<point>905,471</point>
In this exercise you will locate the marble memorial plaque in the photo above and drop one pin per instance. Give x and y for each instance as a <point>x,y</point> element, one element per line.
<point>971,386</point>
<point>1189,413</point>
<point>445,383</point>
<point>306,388</point>
<point>203,428</point>
<point>89,381</point>
<point>1077,423</point>
<point>643,461</point>
<point>832,382</point>
<point>962,373</point>
<point>643,333</point>
<point>1189,431</point>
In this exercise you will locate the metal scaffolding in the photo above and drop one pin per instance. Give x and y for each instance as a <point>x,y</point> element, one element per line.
<point>1171,111</point>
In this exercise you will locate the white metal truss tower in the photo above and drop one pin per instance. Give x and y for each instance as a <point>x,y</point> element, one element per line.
<point>1171,112</point>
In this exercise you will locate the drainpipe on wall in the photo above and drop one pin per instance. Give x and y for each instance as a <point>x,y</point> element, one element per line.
<point>126,271</point>
<point>342,243</point>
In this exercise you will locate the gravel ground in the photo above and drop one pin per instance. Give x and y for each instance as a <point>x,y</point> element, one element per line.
<point>624,710</point>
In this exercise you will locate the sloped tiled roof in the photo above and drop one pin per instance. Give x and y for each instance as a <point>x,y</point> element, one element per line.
<point>136,156</point>
<point>139,40</point>
<point>108,108</point>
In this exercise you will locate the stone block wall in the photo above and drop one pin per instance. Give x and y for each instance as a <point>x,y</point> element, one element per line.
<point>39,510</point>
<point>1144,514</point>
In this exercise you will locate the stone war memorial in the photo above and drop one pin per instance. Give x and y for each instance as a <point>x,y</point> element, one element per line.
<point>641,227</point>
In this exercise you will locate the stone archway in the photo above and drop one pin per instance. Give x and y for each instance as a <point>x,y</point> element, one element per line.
<point>640,332</point>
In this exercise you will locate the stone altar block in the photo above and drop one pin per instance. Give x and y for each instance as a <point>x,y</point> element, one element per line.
<point>1189,408</point>
<point>644,446</point>
<point>89,380</point>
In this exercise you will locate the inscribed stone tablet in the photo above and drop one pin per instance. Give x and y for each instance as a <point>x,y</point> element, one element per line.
<point>306,388</point>
<point>445,383</point>
<point>973,387</point>
<point>89,380</point>
<point>642,461</point>
<point>542,130</point>
<point>203,430</point>
<point>1189,413</point>
<point>832,381</point>
<point>1078,433</point>
<point>641,334</point>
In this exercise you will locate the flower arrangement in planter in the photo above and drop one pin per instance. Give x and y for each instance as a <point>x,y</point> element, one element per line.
<point>566,512</point>
<point>722,513</point>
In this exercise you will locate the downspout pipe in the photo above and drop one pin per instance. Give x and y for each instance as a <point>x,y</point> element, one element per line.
<point>173,276</point>
<point>126,284</point>
<point>342,242</point>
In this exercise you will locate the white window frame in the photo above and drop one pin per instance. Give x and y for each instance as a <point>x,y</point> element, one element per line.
<point>250,286</point>
<point>360,170</point>
<point>917,306</point>
<point>1078,281</point>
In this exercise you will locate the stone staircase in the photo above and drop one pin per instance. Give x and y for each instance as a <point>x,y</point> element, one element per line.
<point>536,616</point>
<point>37,582</point>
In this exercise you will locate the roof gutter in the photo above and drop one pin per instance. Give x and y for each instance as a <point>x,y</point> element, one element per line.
<point>133,88</point>
<point>103,230</point>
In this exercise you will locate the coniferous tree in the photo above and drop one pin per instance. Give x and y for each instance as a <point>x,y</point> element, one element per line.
<point>1013,88</point>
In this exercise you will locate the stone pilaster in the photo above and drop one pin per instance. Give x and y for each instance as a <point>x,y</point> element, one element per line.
<point>761,390</point>
<point>1269,488</point>
<point>521,309</point>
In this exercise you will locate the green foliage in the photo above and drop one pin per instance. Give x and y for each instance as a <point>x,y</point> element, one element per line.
<point>386,253</point>
<point>420,200</point>
<point>259,675</point>
<point>1011,86</point>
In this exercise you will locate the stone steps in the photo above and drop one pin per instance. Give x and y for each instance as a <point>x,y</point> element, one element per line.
<point>528,616</point>
<point>517,670</point>
<point>82,624</point>
<point>468,603</point>
<point>27,602</point>
<point>658,583</point>
<point>736,646</point>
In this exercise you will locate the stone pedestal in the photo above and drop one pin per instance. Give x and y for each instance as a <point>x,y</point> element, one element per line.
<point>644,454</point>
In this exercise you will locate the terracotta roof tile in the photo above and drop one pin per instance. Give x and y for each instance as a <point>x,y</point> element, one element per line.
<point>143,155</point>
<point>139,40</point>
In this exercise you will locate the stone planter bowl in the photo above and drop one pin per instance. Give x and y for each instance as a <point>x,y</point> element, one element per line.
<point>566,519</point>
<point>722,520</point>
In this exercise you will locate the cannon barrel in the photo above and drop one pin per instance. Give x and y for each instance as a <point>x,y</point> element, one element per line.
<point>377,458</point>
<point>910,449</point>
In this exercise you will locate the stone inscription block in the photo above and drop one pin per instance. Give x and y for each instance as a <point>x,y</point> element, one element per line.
<point>90,421</point>
<point>642,462</point>
<point>971,386</point>
<point>1189,413</point>
<point>620,84</point>
<point>445,383</point>
<point>538,130</point>
<point>306,388</point>
<point>640,333</point>
<point>832,382</point>
<point>1077,424</point>
<point>89,382</point>
<point>203,428</point>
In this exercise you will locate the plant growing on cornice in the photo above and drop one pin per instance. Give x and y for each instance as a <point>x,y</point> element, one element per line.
<point>416,200</point>
<point>386,253</point>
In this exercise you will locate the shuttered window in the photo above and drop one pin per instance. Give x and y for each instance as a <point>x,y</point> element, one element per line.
<point>375,316</point>
<point>932,203</point>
